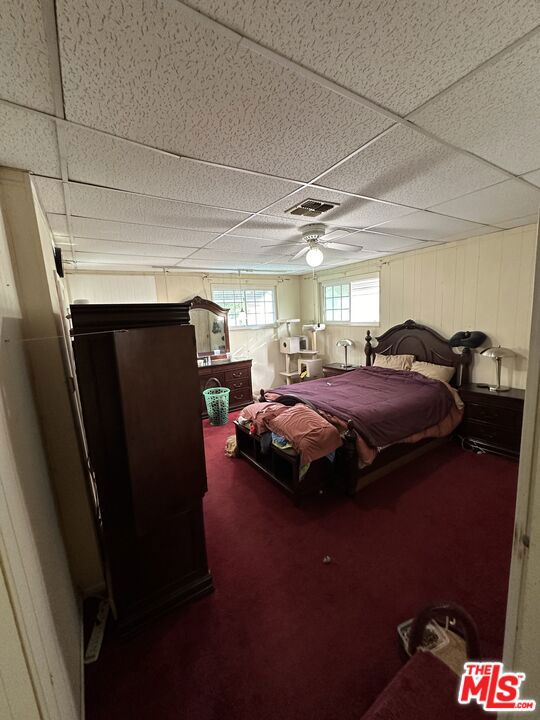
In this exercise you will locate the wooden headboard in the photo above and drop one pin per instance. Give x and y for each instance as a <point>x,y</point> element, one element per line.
<point>425,344</point>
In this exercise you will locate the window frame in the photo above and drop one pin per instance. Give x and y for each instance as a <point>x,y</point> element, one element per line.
<point>232,288</point>
<point>348,281</point>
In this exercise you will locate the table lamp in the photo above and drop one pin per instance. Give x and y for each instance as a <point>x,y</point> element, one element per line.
<point>346,344</point>
<point>498,353</point>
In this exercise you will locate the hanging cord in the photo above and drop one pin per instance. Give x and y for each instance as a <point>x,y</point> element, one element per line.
<point>60,337</point>
<point>316,318</point>
<point>166,284</point>
<point>207,287</point>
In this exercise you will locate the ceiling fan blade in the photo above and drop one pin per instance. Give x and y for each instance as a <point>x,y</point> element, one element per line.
<point>301,252</point>
<point>338,233</point>
<point>342,246</point>
<point>276,245</point>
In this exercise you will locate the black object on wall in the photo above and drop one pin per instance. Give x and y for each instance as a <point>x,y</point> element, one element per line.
<point>58,261</point>
<point>467,339</point>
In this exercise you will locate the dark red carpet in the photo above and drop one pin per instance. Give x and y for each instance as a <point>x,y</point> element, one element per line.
<point>287,637</point>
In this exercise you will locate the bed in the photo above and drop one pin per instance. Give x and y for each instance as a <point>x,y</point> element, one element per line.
<point>385,417</point>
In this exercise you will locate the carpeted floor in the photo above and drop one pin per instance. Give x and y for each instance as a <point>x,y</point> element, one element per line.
<point>286,637</point>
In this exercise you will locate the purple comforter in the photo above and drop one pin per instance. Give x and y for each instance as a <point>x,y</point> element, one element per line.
<point>385,405</point>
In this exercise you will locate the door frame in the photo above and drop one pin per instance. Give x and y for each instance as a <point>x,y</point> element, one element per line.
<point>520,642</point>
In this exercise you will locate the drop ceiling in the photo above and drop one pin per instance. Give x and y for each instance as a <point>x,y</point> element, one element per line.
<point>177,135</point>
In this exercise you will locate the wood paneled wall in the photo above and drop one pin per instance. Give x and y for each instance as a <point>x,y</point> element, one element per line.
<point>481,283</point>
<point>111,288</point>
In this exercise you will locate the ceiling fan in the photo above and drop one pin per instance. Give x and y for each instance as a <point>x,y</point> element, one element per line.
<point>314,238</point>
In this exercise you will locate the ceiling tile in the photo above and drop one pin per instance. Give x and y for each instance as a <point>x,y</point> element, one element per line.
<point>219,254</point>
<point>397,54</point>
<point>104,160</point>
<point>123,260</point>
<point>494,112</point>
<point>154,71</point>
<point>271,229</point>
<point>518,222</point>
<point>51,194</point>
<point>129,232</point>
<point>58,224</point>
<point>228,264</point>
<point>533,177</point>
<point>129,248</point>
<point>406,167</point>
<point>28,142</point>
<point>24,62</point>
<point>89,201</point>
<point>351,211</point>
<point>244,245</point>
<point>379,242</point>
<point>510,199</point>
<point>430,226</point>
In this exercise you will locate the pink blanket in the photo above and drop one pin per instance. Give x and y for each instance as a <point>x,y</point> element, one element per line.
<point>311,435</point>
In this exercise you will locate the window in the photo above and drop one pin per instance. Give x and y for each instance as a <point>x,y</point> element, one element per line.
<point>356,301</point>
<point>247,307</point>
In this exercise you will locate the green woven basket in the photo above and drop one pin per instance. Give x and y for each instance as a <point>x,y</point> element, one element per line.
<point>217,405</point>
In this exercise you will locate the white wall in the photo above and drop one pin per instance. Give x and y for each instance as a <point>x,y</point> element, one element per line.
<point>481,283</point>
<point>261,345</point>
<point>40,663</point>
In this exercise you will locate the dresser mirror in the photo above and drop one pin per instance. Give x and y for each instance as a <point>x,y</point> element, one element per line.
<point>211,327</point>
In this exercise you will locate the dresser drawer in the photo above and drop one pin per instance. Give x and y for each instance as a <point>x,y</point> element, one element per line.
<point>243,396</point>
<point>239,384</point>
<point>238,373</point>
<point>495,414</point>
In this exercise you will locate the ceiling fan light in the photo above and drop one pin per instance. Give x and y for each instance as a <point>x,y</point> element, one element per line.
<point>314,257</point>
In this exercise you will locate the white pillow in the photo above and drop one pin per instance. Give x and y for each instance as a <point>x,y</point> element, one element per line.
<point>394,362</point>
<point>435,372</point>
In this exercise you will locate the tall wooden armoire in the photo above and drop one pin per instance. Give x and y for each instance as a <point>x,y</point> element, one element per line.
<point>139,387</point>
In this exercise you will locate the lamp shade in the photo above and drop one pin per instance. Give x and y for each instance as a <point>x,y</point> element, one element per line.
<point>345,342</point>
<point>497,352</point>
<point>467,338</point>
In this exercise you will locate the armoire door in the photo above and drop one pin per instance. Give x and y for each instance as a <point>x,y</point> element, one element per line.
<point>159,393</point>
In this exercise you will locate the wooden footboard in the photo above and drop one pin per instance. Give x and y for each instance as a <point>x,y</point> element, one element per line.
<point>283,466</point>
<point>345,472</point>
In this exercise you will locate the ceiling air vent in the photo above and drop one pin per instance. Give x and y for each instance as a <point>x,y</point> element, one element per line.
<point>312,208</point>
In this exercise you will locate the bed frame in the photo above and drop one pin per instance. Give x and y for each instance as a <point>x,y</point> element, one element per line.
<point>408,338</point>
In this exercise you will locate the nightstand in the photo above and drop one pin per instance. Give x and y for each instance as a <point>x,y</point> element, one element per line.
<point>337,369</point>
<point>492,421</point>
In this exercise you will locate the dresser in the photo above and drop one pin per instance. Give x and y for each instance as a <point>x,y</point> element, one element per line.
<point>330,369</point>
<point>492,421</point>
<point>233,374</point>
<point>211,323</point>
<point>137,376</point>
